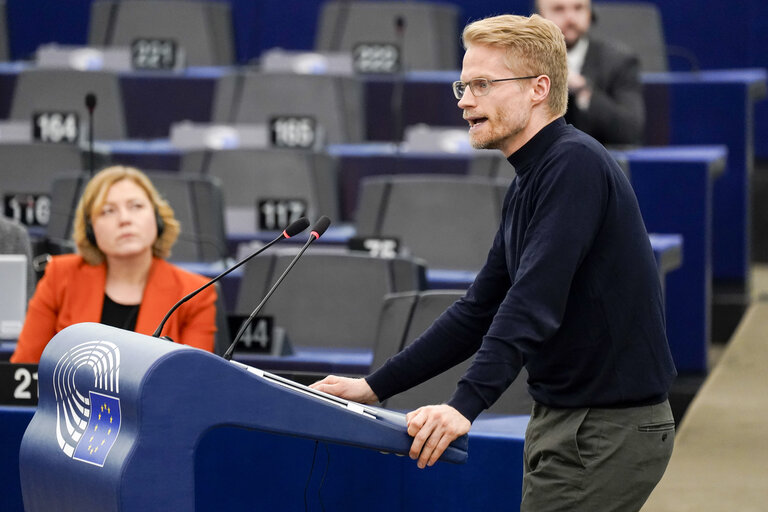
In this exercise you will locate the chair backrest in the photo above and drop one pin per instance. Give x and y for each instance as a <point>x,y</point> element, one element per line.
<point>4,54</point>
<point>638,26</point>
<point>450,221</point>
<point>202,28</point>
<point>332,296</point>
<point>272,178</point>
<point>195,199</point>
<point>427,31</point>
<point>334,102</point>
<point>27,170</point>
<point>64,90</point>
<point>404,316</point>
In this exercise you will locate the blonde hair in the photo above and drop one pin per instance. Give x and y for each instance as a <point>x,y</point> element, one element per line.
<point>534,46</point>
<point>94,197</point>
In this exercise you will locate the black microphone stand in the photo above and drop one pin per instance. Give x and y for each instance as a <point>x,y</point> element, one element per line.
<point>317,230</point>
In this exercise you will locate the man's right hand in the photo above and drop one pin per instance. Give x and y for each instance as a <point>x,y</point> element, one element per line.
<point>356,390</point>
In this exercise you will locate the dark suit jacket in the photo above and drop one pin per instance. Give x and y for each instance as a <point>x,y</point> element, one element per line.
<point>72,291</point>
<point>616,114</point>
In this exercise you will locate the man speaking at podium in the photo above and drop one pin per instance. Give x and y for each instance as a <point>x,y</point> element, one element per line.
<point>570,290</point>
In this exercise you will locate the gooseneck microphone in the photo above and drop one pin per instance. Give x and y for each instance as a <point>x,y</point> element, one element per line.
<point>293,229</point>
<point>90,104</point>
<point>317,231</point>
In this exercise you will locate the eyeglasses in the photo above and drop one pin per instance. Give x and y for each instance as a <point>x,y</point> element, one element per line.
<point>480,86</point>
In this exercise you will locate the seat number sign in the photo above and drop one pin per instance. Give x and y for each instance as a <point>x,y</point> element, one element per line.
<point>378,247</point>
<point>56,127</point>
<point>28,209</point>
<point>18,384</point>
<point>293,131</point>
<point>376,58</point>
<point>257,337</point>
<point>276,213</point>
<point>154,53</point>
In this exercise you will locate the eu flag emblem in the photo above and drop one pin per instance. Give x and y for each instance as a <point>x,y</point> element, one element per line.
<point>101,433</point>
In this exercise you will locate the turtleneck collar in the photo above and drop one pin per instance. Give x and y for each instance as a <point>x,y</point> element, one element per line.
<point>522,159</point>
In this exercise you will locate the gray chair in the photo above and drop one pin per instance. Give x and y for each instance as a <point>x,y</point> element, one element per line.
<point>491,164</point>
<point>449,221</point>
<point>429,33</point>
<point>248,176</point>
<point>332,296</point>
<point>4,54</point>
<point>29,169</point>
<point>49,90</point>
<point>404,316</point>
<point>203,29</point>
<point>334,102</point>
<point>196,201</point>
<point>638,26</point>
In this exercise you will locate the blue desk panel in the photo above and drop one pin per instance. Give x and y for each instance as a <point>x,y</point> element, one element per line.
<point>718,107</point>
<point>674,189</point>
<point>238,469</point>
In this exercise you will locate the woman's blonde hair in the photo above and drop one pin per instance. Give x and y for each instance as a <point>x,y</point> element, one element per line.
<point>95,196</point>
<point>534,46</point>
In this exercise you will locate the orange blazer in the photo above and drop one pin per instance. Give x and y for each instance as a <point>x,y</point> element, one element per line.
<point>72,291</point>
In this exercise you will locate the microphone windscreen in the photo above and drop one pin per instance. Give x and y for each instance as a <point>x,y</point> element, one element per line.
<point>296,227</point>
<point>321,225</point>
<point>90,100</point>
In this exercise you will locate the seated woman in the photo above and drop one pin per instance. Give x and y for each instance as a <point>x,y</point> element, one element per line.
<point>123,231</point>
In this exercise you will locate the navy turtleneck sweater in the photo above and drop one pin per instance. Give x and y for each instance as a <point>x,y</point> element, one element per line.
<point>570,289</point>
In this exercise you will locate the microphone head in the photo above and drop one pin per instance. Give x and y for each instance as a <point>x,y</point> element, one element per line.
<point>320,226</point>
<point>90,101</point>
<point>296,227</point>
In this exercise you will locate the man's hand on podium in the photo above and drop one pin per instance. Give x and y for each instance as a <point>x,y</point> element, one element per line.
<point>433,428</point>
<point>356,390</point>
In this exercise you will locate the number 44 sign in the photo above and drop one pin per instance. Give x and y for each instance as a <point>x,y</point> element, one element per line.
<point>18,384</point>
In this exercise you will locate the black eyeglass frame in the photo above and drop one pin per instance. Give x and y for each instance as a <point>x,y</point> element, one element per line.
<point>460,94</point>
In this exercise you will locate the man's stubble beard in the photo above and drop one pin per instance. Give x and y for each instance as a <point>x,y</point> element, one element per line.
<point>506,126</point>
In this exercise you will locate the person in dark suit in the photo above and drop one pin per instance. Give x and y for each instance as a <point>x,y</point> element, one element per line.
<point>605,96</point>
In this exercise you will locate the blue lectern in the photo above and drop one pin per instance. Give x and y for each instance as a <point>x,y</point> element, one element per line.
<point>120,416</point>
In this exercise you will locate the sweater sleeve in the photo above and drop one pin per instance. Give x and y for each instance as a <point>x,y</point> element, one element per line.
<point>454,336</point>
<point>568,208</point>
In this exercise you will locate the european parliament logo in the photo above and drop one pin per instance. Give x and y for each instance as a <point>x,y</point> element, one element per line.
<point>86,387</point>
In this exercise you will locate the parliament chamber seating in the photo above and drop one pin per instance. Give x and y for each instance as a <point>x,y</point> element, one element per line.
<point>334,102</point>
<point>30,168</point>
<point>331,298</point>
<point>287,183</point>
<point>425,33</point>
<point>638,26</point>
<point>64,90</point>
<point>201,28</point>
<point>449,221</point>
<point>404,316</point>
<point>3,32</point>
